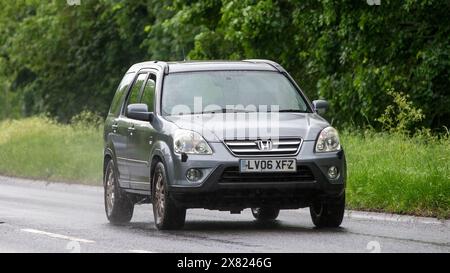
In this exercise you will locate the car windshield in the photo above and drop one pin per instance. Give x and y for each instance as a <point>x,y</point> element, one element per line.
<point>229,91</point>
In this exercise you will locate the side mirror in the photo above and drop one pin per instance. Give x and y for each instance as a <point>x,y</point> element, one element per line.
<point>320,106</point>
<point>139,111</point>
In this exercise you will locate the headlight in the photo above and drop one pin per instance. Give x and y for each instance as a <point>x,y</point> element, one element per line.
<point>328,141</point>
<point>190,142</point>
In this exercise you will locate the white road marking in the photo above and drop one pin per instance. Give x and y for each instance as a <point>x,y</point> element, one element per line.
<point>140,251</point>
<point>58,236</point>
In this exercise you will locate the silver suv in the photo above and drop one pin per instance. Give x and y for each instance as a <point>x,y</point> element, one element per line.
<point>222,136</point>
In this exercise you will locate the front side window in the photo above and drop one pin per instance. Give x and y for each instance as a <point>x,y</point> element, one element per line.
<point>148,94</point>
<point>258,90</point>
<point>135,92</point>
<point>121,90</point>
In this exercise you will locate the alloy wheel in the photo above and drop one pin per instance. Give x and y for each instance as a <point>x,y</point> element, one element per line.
<point>110,190</point>
<point>160,196</point>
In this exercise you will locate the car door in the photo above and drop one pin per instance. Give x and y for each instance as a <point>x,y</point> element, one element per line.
<point>140,143</point>
<point>116,130</point>
<point>125,128</point>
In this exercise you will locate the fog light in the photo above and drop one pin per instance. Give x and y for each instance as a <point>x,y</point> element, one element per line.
<point>194,175</point>
<point>333,172</point>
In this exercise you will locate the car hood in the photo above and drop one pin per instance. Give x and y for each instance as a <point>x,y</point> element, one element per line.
<point>217,127</point>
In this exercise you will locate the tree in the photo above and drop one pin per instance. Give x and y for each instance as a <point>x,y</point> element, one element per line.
<point>64,59</point>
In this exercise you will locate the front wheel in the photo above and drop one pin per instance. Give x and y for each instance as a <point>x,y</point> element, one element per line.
<point>167,215</point>
<point>118,207</point>
<point>265,214</point>
<point>327,213</point>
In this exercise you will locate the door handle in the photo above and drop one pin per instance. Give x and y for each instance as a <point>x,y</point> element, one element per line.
<point>131,130</point>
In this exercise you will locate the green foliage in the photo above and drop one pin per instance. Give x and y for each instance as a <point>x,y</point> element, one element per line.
<point>65,59</point>
<point>400,116</point>
<point>87,120</point>
<point>10,103</point>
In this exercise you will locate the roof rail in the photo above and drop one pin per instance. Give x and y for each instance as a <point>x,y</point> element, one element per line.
<point>164,66</point>
<point>269,62</point>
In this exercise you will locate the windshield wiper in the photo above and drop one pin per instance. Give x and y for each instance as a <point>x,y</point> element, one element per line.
<point>221,111</point>
<point>236,111</point>
<point>291,111</point>
<point>215,111</point>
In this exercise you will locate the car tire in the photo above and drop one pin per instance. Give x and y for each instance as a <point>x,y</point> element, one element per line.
<point>168,216</point>
<point>118,207</point>
<point>265,214</point>
<point>328,213</point>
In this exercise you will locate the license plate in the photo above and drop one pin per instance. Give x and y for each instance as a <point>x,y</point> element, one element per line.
<point>267,165</point>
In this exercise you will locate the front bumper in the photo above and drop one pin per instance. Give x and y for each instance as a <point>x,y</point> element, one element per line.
<point>215,192</point>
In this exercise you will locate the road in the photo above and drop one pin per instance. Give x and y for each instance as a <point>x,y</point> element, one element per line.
<point>37,216</point>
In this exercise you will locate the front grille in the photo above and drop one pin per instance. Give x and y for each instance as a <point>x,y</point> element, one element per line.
<point>232,175</point>
<point>250,147</point>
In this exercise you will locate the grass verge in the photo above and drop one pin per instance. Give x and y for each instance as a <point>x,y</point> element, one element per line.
<point>390,173</point>
<point>398,174</point>
<point>40,148</point>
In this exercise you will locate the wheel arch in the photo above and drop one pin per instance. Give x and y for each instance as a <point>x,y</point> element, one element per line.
<point>155,159</point>
<point>161,152</point>
<point>108,155</point>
